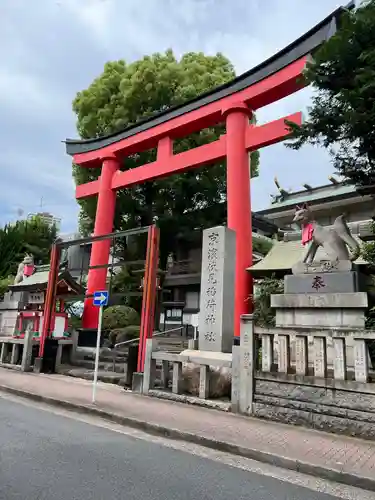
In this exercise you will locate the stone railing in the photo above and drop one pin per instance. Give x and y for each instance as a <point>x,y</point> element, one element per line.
<point>204,360</point>
<point>16,353</point>
<point>305,376</point>
<point>292,375</point>
<point>316,351</point>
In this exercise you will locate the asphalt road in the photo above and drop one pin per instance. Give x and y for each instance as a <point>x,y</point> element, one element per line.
<point>53,457</point>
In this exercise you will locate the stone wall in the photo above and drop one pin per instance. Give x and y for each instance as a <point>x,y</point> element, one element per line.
<point>8,322</point>
<point>9,308</point>
<point>344,407</point>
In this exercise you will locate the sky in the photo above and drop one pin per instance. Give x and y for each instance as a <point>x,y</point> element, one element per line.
<point>51,49</point>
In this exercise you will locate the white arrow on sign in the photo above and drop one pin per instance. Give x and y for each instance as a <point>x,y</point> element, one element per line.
<point>101,298</point>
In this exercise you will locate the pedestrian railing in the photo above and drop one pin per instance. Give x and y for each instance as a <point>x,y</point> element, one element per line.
<point>130,342</point>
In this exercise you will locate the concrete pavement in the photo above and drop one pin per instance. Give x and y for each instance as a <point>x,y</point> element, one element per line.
<point>338,458</point>
<point>54,457</point>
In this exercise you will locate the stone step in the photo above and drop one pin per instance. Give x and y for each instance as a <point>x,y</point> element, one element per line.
<point>106,366</point>
<point>104,356</point>
<point>172,344</point>
<point>108,377</point>
<point>104,376</point>
<point>175,346</point>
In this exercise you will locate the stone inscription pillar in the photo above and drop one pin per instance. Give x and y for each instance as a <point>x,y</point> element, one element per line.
<point>217,290</point>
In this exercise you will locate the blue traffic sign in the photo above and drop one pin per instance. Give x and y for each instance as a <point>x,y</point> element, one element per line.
<point>101,298</point>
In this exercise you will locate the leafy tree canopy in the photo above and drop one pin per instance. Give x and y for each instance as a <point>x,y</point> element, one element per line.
<point>25,236</point>
<point>342,115</point>
<point>4,285</point>
<point>123,95</point>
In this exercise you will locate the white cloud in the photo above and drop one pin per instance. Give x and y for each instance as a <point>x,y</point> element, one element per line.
<point>34,183</point>
<point>95,15</point>
<point>50,49</point>
<point>25,93</point>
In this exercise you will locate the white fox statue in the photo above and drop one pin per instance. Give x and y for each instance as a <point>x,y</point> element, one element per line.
<point>335,240</point>
<point>25,269</point>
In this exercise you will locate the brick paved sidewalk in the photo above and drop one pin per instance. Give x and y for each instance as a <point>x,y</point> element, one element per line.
<point>292,447</point>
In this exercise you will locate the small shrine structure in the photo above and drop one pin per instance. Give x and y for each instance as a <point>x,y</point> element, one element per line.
<point>30,315</point>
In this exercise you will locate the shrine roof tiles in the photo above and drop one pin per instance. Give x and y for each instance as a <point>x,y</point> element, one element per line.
<point>320,193</point>
<point>38,278</point>
<point>284,254</point>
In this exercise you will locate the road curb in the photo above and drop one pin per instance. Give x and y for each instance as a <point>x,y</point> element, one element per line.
<point>336,475</point>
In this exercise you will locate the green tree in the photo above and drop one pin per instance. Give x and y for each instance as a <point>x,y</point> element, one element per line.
<point>120,317</point>
<point>262,245</point>
<point>342,115</point>
<point>25,236</point>
<point>368,254</point>
<point>37,237</point>
<point>4,285</point>
<point>10,248</point>
<point>264,314</point>
<point>123,95</point>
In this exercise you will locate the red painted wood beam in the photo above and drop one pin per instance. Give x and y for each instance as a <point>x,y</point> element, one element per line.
<point>88,189</point>
<point>271,89</point>
<point>176,164</point>
<point>270,133</point>
<point>167,163</point>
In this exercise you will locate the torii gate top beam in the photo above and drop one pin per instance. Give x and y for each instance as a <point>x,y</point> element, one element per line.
<point>268,82</point>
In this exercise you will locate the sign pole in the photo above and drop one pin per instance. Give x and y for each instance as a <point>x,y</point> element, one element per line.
<point>97,352</point>
<point>100,300</point>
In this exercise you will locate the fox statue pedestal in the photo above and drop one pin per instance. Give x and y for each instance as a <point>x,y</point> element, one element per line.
<point>323,297</point>
<point>324,277</point>
<point>322,294</point>
<point>326,310</point>
<point>317,316</point>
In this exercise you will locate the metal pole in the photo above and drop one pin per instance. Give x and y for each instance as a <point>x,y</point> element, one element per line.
<point>95,382</point>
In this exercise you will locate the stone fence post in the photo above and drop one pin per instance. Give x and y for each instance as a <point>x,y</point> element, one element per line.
<point>149,373</point>
<point>243,368</point>
<point>27,351</point>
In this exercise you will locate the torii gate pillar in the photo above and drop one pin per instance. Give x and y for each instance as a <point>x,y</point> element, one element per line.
<point>238,204</point>
<point>105,213</point>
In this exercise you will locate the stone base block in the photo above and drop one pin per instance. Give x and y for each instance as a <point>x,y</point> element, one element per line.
<point>204,381</point>
<point>219,359</point>
<point>357,300</point>
<point>38,365</point>
<point>344,282</point>
<point>193,344</point>
<point>336,318</point>
<point>322,266</point>
<point>137,383</point>
<point>320,309</point>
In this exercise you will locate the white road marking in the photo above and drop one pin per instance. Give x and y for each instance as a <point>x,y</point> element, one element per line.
<point>296,478</point>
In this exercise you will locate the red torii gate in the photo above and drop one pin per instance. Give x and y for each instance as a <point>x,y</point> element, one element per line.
<point>233,104</point>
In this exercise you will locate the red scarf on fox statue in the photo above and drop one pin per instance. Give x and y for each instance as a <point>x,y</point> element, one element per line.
<point>306,227</point>
<point>307,233</point>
